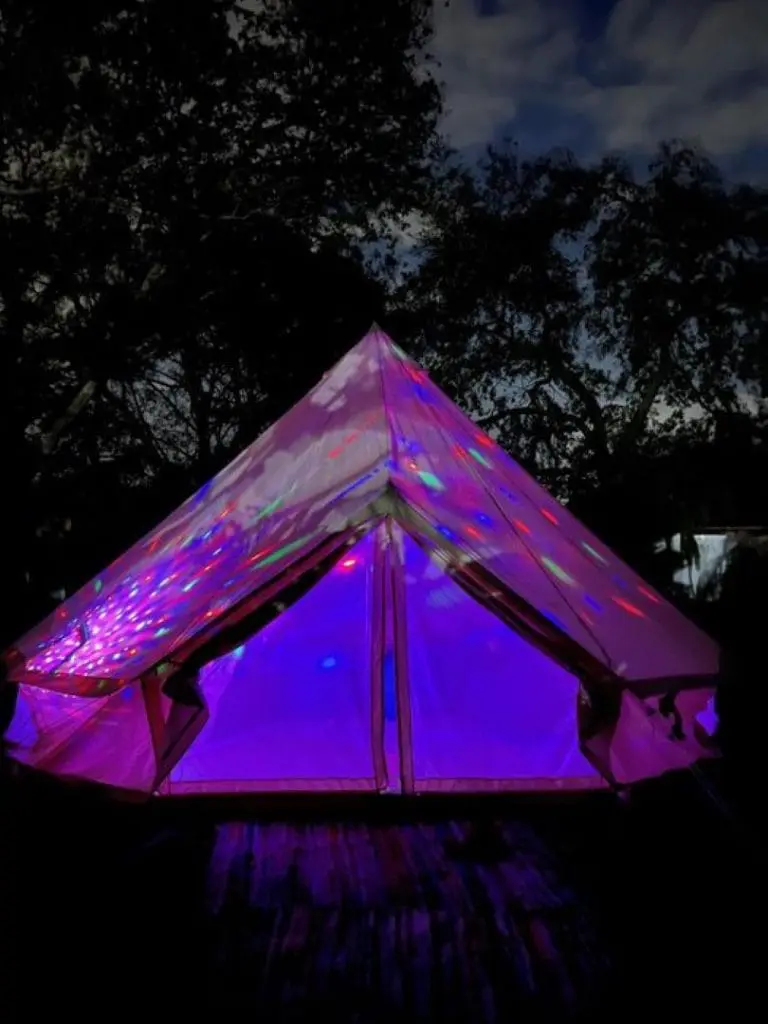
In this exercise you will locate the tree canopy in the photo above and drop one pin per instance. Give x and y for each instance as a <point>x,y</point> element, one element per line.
<point>607,325</point>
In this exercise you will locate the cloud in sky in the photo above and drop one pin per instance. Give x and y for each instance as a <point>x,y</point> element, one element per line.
<point>599,75</point>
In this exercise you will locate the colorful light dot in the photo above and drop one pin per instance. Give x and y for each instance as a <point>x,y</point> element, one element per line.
<point>647,593</point>
<point>357,483</point>
<point>521,526</point>
<point>557,571</point>
<point>280,553</point>
<point>595,554</point>
<point>329,662</point>
<point>548,515</point>
<point>484,439</point>
<point>479,457</point>
<point>592,603</point>
<point>239,651</point>
<point>203,493</point>
<point>98,585</point>
<point>431,481</point>
<point>447,533</point>
<point>629,607</point>
<point>257,556</point>
<point>268,509</point>
<point>483,519</point>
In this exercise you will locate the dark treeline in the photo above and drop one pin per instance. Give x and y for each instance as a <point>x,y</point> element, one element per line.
<point>203,206</point>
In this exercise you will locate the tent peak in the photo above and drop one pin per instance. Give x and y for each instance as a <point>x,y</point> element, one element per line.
<point>376,338</point>
<point>376,332</point>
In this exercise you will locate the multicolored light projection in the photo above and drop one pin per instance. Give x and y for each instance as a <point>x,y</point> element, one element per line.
<point>529,540</point>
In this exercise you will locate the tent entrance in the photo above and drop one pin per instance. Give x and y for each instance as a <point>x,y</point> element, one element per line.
<point>386,676</point>
<point>488,710</point>
<point>292,709</point>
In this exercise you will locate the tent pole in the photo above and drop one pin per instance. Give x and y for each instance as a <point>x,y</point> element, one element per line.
<point>395,551</point>
<point>378,644</point>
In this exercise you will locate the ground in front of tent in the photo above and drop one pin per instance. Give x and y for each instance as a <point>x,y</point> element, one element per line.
<point>482,909</point>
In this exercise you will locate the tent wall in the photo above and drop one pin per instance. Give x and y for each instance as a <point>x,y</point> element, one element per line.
<point>647,739</point>
<point>106,739</point>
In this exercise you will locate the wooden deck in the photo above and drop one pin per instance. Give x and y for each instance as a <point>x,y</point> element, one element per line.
<point>562,915</point>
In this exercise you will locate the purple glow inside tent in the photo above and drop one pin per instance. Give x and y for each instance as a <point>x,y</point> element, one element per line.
<point>291,709</point>
<point>436,621</point>
<point>487,706</point>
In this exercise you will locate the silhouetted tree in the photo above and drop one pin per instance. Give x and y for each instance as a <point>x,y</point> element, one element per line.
<point>186,200</point>
<point>603,325</point>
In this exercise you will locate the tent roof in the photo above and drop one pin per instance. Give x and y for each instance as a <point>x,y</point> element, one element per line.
<point>374,436</point>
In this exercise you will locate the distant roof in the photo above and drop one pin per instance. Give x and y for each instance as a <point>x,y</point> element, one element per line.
<point>732,528</point>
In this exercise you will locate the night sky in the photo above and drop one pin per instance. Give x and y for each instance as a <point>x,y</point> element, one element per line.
<point>601,76</point>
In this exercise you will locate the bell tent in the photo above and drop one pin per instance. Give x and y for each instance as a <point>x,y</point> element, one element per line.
<point>373,596</point>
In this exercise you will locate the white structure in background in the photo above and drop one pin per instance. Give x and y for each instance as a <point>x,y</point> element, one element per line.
<point>714,549</point>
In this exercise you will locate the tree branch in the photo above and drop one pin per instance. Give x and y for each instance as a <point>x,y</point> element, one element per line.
<point>75,407</point>
<point>650,392</point>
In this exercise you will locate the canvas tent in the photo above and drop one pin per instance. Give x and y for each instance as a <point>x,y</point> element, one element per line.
<point>372,596</point>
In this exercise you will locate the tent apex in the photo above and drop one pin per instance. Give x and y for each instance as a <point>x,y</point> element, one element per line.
<point>377,335</point>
